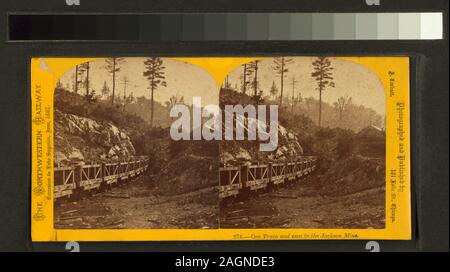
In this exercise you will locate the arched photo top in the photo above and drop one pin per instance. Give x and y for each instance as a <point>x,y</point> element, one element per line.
<point>134,82</point>
<point>296,83</point>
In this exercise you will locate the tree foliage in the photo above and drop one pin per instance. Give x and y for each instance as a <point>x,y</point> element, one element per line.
<point>156,77</point>
<point>273,90</point>
<point>113,67</point>
<point>83,71</point>
<point>341,104</point>
<point>105,90</point>
<point>252,74</point>
<point>280,66</point>
<point>174,100</point>
<point>322,73</point>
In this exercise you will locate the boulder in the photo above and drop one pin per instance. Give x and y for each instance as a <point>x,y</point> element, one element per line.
<point>227,158</point>
<point>243,155</point>
<point>76,155</point>
<point>291,136</point>
<point>60,157</point>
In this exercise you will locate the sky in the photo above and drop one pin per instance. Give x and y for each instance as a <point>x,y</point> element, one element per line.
<point>350,78</point>
<point>184,79</point>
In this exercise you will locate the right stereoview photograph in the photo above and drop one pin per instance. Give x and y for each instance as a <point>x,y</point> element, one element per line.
<point>325,168</point>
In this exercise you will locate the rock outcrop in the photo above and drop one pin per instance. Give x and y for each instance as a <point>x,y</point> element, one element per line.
<point>240,152</point>
<point>246,152</point>
<point>80,139</point>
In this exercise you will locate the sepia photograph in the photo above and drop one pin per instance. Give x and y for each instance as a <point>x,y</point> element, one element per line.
<point>116,166</point>
<point>328,170</point>
<point>155,143</point>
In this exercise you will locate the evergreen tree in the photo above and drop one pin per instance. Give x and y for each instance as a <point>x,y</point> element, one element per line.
<point>281,68</point>
<point>113,67</point>
<point>105,90</point>
<point>273,90</point>
<point>322,73</point>
<point>156,77</point>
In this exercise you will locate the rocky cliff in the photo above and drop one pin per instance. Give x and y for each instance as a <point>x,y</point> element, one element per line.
<point>80,139</point>
<point>246,152</point>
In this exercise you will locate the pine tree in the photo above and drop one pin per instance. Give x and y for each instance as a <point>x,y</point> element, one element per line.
<point>281,68</point>
<point>125,98</point>
<point>113,67</point>
<point>79,74</point>
<point>155,75</point>
<point>75,85</point>
<point>105,90</point>
<point>252,70</point>
<point>131,98</point>
<point>322,73</point>
<point>273,90</point>
<point>83,69</point>
<point>293,82</point>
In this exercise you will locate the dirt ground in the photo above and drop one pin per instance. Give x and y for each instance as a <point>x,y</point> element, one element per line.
<point>135,206</point>
<point>302,206</point>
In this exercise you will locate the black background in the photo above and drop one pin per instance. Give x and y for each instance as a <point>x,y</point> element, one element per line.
<point>429,102</point>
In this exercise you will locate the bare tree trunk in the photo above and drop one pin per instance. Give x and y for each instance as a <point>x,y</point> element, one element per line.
<point>151,116</point>
<point>320,106</point>
<point>87,79</point>
<point>293,95</point>
<point>282,77</point>
<point>124,94</point>
<point>245,79</point>
<point>76,80</point>
<point>114,81</point>
<point>256,78</point>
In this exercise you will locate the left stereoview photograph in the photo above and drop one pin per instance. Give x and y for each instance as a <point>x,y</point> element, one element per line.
<point>115,164</point>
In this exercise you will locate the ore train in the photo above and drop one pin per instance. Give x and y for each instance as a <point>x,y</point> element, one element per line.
<point>233,180</point>
<point>237,180</point>
<point>69,180</point>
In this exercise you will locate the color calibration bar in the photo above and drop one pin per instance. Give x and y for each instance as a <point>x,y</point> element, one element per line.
<point>228,27</point>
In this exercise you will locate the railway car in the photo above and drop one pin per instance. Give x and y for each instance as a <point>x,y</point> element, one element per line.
<point>64,184</point>
<point>277,173</point>
<point>234,180</point>
<point>300,166</point>
<point>124,172</point>
<point>290,171</point>
<point>132,169</point>
<point>255,177</point>
<point>91,177</point>
<point>229,182</point>
<point>88,177</point>
<point>111,173</point>
<point>314,164</point>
